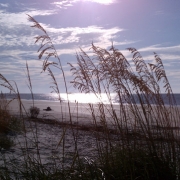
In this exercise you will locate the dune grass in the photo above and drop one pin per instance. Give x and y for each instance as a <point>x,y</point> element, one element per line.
<point>138,141</point>
<point>9,125</point>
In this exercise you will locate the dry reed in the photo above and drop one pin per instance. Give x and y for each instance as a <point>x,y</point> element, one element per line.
<point>140,140</point>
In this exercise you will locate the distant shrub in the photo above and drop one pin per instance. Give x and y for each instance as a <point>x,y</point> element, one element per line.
<point>34,111</point>
<point>5,142</point>
<point>15,126</point>
<point>9,124</point>
<point>4,113</point>
<point>4,120</point>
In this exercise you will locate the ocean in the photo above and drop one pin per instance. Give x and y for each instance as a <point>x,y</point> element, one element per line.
<point>81,97</point>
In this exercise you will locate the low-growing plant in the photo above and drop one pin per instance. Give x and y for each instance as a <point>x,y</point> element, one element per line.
<point>9,124</point>
<point>34,111</point>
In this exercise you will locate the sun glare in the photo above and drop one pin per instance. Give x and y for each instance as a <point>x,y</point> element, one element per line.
<point>85,98</point>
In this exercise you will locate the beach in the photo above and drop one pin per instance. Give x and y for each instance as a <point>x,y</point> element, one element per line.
<point>45,133</point>
<point>80,112</point>
<point>55,137</point>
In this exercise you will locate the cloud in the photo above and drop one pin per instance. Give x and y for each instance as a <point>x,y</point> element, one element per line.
<point>17,32</point>
<point>170,58</point>
<point>4,5</point>
<point>105,2</point>
<point>13,20</point>
<point>15,28</point>
<point>174,74</point>
<point>65,3</point>
<point>87,35</point>
<point>160,48</point>
<point>87,47</point>
<point>174,57</point>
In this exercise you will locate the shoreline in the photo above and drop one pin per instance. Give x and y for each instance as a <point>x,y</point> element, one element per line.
<point>80,112</point>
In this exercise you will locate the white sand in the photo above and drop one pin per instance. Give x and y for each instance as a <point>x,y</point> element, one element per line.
<point>47,136</point>
<point>82,111</point>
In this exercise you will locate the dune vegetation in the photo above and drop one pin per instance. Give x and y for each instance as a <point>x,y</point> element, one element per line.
<point>139,141</point>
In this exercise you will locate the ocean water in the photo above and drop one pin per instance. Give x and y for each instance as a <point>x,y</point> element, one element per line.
<point>73,97</point>
<point>82,98</point>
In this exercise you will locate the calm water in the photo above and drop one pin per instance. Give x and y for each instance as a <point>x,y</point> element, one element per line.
<point>80,97</point>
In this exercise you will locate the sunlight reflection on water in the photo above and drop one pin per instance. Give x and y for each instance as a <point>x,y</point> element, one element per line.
<point>86,98</point>
<point>83,98</point>
<point>73,97</point>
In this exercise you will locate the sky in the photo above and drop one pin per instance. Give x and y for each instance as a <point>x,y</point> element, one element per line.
<point>147,25</point>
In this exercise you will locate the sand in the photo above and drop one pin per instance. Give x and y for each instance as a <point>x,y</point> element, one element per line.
<point>46,136</point>
<point>80,110</point>
<point>80,113</point>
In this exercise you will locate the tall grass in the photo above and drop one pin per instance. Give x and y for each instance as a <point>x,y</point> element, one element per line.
<point>147,129</point>
<point>137,140</point>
